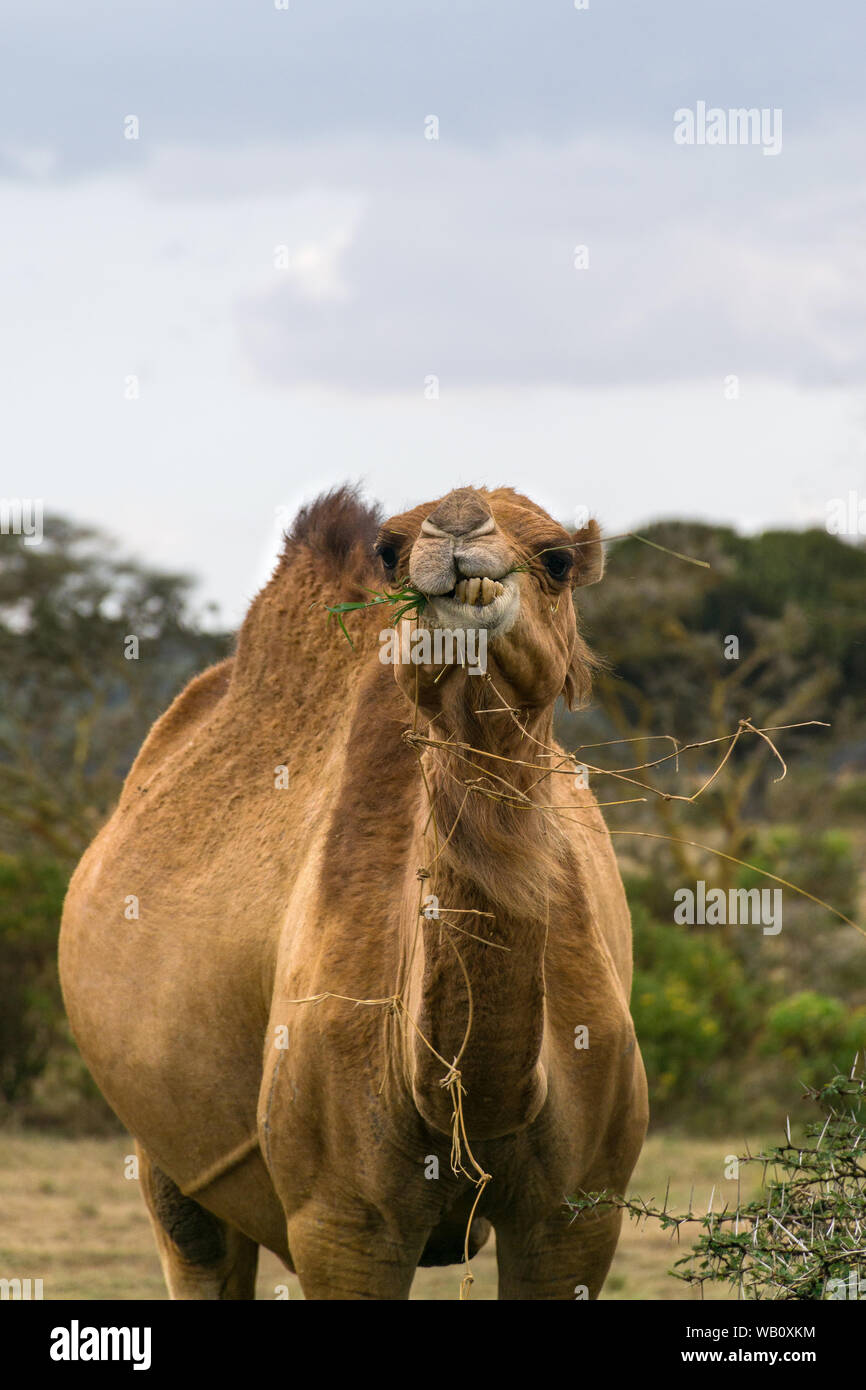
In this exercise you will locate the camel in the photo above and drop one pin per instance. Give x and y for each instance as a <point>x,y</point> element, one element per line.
<point>351,960</point>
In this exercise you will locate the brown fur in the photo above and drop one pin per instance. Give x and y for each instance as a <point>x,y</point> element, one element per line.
<point>252,898</point>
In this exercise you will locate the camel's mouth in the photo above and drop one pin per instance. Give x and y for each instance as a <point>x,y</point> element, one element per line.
<point>476,601</point>
<point>477,592</point>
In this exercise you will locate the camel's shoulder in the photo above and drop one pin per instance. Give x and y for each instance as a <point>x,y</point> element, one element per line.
<point>195,703</point>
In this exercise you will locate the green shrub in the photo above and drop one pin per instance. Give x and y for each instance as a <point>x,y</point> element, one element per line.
<point>813,1032</point>
<point>823,863</point>
<point>692,1004</point>
<point>802,1237</point>
<point>43,1079</point>
<point>31,899</point>
<point>850,798</point>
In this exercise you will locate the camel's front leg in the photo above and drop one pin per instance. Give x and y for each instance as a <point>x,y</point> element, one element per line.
<point>350,1253</point>
<point>558,1258</point>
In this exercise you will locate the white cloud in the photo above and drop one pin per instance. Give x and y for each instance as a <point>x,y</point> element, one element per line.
<point>460,262</point>
<point>261,387</point>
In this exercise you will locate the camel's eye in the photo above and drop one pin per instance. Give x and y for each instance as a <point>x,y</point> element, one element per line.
<point>558,563</point>
<point>388,555</point>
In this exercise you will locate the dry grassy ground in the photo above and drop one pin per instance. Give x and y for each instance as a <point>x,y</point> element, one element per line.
<point>71,1218</point>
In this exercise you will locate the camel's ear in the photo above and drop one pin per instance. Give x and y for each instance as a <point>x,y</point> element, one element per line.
<point>589,554</point>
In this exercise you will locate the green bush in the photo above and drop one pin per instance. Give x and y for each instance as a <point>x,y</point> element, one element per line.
<point>43,1079</point>
<point>814,1032</point>
<point>31,899</point>
<point>822,863</point>
<point>802,1237</point>
<point>850,798</point>
<point>692,1005</point>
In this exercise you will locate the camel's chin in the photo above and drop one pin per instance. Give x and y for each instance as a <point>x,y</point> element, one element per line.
<point>496,617</point>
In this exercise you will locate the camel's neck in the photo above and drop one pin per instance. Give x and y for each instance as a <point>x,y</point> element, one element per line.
<point>502,873</point>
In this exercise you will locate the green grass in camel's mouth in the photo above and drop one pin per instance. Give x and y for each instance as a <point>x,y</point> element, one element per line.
<point>404,600</point>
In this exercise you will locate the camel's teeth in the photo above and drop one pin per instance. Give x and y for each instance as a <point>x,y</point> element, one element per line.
<point>480,592</point>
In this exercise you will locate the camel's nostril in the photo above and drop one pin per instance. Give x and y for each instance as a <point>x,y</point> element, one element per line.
<point>480,561</point>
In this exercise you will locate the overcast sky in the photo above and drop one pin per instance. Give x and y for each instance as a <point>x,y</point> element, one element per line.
<point>282,259</point>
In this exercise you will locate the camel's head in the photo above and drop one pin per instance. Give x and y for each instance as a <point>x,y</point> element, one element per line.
<point>496,564</point>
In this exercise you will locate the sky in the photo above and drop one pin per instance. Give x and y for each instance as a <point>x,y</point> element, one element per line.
<point>282,282</point>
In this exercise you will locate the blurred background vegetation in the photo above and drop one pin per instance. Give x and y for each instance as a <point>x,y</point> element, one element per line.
<point>74,711</point>
<point>726,1016</point>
